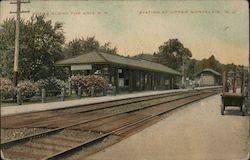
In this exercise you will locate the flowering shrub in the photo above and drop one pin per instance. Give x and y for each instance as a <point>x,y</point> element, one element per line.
<point>89,81</point>
<point>94,80</point>
<point>6,87</point>
<point>77,81</point>
<point>27,88</point>
<point>51,83</point>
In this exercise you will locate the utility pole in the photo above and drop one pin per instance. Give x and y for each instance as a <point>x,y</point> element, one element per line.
<point>16,55</point>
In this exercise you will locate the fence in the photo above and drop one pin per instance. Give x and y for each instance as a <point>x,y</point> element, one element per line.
<point>43,96</point>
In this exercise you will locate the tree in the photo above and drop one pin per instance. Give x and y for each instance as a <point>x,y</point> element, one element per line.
<point>191,69</point>
<point>229,67</point>
<point>7,39</point>
<point>80,46</point>
<point>172,52</point>
<point>74,48</point>
<point>91,44</point>
<point>40,47</point>
<point>210,63</point>
<point>197,66</point>
<point>108,49</point>
<point>213,64</point>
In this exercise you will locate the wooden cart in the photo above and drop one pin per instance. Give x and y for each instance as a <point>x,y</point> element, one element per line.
<point>230,95</point>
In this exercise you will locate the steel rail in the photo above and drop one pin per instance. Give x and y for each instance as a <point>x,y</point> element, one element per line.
<point>116,100</point>
<point>11,143</point>
<point>124,102</point>
<point>77,106</point>
<point>68,152</point>
<point>141,99</point>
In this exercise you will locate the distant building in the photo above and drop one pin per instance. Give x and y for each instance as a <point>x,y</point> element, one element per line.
<point>209,77</point>
<point>125,73</point>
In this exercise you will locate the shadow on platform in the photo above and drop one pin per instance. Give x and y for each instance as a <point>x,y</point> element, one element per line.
<point>233,111</point>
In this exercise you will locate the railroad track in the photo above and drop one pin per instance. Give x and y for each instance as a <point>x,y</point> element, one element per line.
<point>68,145</point>
<point>86,108</point>
<point>31,118</point>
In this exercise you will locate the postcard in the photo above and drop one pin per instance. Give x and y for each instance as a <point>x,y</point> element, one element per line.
<point>124,79</point>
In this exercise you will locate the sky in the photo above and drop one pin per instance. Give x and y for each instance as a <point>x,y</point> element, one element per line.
<point>205,27</point>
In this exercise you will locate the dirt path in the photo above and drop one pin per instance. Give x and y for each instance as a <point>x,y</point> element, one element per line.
<point>196,132</point>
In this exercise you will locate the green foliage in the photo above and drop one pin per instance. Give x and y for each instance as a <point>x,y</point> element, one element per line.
<point>210,63</point>
<point>7,39</point>
<point>80,46</point>
<point>51,83</point>
<point>90,44</point>
<point>96,81</point>
<point>172,52</point>
<point>196,66</point>
<point>230,67</point>
<point>89,81</point>
<point>77,81</point>
<point>40,47</point>
<point>191,71</point>
<point>108,49</point>
<point>6,88</point>
<point>28,88</point>
<point>74,48</point>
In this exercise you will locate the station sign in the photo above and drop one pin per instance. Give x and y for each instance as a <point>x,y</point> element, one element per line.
<point>81,67</point>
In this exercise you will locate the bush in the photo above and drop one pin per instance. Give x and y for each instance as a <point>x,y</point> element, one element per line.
<point>6,88</point>
<point>28,88</point>
<point>89,81</point>
<point>51,83</point>
<point>96,81</point>
<point>77,81</point>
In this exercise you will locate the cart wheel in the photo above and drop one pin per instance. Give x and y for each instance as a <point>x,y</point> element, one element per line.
<point>243,109</point>
<point>222,109</point>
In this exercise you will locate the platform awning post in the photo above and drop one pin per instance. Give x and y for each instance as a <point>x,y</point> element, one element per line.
<point>130,80</point>
<point>116,79</point>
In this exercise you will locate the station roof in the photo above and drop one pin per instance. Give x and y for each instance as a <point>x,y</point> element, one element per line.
<point>145,56</point>
<point>96,57</point>
<point>210,70</point>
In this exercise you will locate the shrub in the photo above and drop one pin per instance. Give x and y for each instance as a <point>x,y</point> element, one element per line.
<point>28,88</point>
<point>6,88</point>
<point>77,81</point>
<point>96,81</point>
<point>89,81</point>
<point>51,83</point>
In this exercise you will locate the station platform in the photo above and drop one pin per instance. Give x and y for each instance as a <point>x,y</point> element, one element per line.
<point>17,109</point>
<point>195,132</point>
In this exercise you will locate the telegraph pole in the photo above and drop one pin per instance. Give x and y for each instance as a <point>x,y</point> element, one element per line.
<point>15,74</point>
<point>16,55</point>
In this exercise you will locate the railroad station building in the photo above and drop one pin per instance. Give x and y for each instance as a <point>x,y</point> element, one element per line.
<point>125,73</point>
<point>209,77</point>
